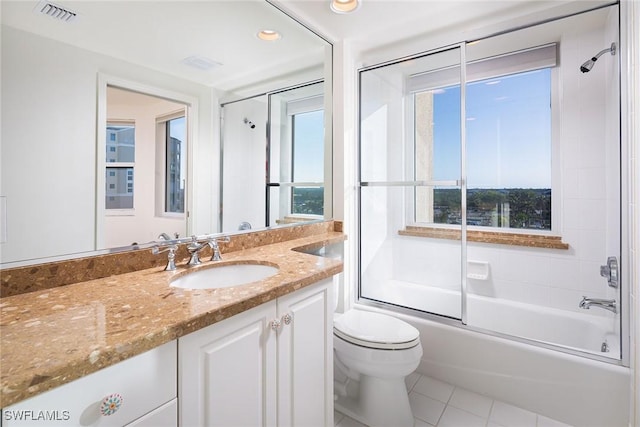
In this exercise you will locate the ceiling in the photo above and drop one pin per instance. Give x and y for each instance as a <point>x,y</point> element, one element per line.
<point>383,22</point>
<point>161,34</point>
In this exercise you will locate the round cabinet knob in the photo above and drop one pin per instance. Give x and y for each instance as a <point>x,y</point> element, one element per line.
<point>275,324</point>
<point>287,319</point>
<point>111,404</point>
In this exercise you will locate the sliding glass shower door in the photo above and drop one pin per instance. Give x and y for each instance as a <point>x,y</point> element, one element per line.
<point>489,185</point>
<point>410,176</point>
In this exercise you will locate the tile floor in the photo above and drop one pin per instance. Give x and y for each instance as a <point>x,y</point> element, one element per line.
<point>436,403</point>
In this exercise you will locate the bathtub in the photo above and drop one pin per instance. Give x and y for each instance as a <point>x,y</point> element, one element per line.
<point>570,388</point>
<point>581,331</point>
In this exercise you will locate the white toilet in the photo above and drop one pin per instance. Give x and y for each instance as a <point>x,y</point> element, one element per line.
<point>373,353</point>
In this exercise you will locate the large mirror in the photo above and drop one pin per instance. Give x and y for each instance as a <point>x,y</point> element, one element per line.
<point>111,130</point>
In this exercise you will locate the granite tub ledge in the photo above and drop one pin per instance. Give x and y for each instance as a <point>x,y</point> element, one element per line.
<point>53,336</point>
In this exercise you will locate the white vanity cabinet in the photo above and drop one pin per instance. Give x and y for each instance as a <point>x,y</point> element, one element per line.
<point>140,391</point>
<point>269,366</point>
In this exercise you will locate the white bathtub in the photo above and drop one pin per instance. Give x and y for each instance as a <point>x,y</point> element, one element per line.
<point>570,388</point>
<point>581,331</point>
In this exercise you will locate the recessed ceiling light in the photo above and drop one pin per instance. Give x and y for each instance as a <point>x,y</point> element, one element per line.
<point>345,6</point>
<point>269,35</point>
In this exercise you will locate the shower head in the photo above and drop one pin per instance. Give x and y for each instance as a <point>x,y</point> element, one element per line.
<point>248,122</point>
<point>588,65</point>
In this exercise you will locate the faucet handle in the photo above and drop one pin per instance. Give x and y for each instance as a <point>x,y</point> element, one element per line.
<point>216,248</point>
<point>171,256</point>
<point>193,248</point>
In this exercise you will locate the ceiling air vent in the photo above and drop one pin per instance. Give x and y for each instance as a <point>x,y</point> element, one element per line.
<point>201,62</point>
<point>53,10</point>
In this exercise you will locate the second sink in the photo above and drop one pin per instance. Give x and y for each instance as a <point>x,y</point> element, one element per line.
<point>224,276</point>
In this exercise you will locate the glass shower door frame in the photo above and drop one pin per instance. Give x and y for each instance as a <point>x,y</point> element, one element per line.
<point>461,183</point>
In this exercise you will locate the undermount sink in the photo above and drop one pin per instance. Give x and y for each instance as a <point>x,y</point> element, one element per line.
<point>224,276</point>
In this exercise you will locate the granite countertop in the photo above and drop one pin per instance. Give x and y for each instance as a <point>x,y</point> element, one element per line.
<point>53,336</point>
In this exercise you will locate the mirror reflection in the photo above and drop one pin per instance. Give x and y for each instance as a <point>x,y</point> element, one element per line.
<point>289,147</point>
<point>145,148</point>
<point>69,87</point>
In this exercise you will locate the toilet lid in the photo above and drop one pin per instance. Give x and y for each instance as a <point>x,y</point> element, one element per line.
<point>375,330</point>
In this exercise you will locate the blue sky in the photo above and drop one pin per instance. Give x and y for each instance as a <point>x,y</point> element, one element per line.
<point>508,132</point>
<point>309,147</point>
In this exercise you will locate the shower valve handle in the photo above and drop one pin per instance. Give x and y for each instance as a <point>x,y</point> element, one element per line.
<point>610,271</point>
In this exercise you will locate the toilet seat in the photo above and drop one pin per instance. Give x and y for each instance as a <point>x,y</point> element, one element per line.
<point>375,330</point>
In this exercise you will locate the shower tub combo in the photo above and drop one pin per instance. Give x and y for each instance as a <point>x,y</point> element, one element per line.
<point>567,387</point>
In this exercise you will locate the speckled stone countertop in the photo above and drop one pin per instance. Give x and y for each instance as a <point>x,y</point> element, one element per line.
<point>53,336</point>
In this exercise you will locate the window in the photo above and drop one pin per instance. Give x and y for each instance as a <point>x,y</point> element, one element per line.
<point>120,156</point>
<point>508,158</point>
<point>296,155</point>
<point>171,164</point>
<point>308,147</point>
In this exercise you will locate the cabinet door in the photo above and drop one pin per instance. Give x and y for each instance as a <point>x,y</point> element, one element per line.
<point>224,373</point>
<point>305,357</point>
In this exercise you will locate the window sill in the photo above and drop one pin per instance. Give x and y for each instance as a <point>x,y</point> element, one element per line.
<point>495,237</point>
<point>292,219</point>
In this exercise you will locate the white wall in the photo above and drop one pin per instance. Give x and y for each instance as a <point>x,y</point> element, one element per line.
<point>244,164</point>
<point>49,98</point>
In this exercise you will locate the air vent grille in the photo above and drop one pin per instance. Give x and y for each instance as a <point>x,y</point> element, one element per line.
<point>57,12</point>
<point>201,62</point>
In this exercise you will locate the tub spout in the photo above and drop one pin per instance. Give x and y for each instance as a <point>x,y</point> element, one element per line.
<point>607,304</point>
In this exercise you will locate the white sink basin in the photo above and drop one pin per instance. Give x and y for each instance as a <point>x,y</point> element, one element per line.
<point>224,276</point>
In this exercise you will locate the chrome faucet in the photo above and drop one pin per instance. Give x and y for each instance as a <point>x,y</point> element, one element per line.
<point>171,256</point>
<point>216,249</point>
<point>194,248</point>
<point>607,304</point>
<point>164,236</point>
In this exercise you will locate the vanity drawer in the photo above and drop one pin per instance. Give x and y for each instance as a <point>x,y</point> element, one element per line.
<point>113,396</point>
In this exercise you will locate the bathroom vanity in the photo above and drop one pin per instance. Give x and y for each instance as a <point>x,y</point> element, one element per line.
<point>271,365</point>
<point>133,350</point>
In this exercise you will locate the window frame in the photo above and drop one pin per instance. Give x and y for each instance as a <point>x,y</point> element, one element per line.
<point>119,165</point>
<point>509,63</point>
<point>296,107</point>
<point>161,162</point>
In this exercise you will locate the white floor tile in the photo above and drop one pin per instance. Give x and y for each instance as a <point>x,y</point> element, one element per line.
<point>435,389</point>
<point>436,403</point>
<point>548,422</point>
<point>411,380</point>
<point>454,417</point>
<point>425,408</point>
<point>349,422</point>
<point>420,423</point>
<point>469,401</point>
<point>511,416</point>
